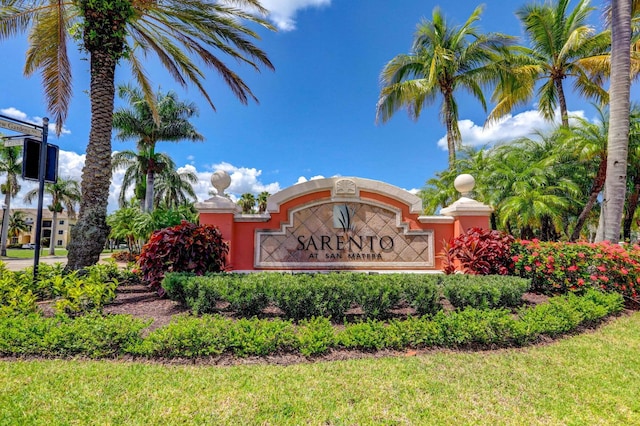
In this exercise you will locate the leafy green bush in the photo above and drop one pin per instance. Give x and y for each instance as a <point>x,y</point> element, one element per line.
<point>377,294</point>
<point>302,296</point>
<point>16,296</point>
<point>187,336</point>
<point>484,292</point>
<point>91,335</point>
<point>182,248</point>
<point>422,292</point>
<point>558,268</point>
<point>82,294</point>
<point>315,336</point>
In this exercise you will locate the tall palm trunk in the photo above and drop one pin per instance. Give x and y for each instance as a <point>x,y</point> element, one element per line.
<point>54,226</point>
<point>564,115</point>
<point>598,183</point>
<point>148,196</point>
<point>451,142</point>
<point>5,223</point>
<point>89,236</point>
<point>619,104</point>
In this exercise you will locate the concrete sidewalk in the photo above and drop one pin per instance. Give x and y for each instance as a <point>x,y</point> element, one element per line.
<point>14,264</point>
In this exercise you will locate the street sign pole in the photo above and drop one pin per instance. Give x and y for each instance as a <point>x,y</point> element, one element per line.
<point>41,175</point>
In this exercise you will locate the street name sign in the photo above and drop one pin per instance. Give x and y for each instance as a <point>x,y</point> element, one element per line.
<point>22,128</point>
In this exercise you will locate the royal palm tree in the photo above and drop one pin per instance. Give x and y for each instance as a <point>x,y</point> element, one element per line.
<point>136,166</point>
<point>110,30</point>
<point>443,60</point>
<point>11,164</point>
<point>139,123</point>
<point>175,188</point>
<point>65,194</point>
<point>560,41</point>
<point>247,202</point>
<point>18,224</point>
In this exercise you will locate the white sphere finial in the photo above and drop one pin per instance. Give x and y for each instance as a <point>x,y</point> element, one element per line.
<point>464,184</point>
<point>220,181</point>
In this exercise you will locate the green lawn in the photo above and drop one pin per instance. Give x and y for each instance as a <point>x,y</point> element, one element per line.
<point>29,254</point>
<point>593,378</point>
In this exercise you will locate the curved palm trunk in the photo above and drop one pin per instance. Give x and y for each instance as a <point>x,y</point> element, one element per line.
<point>619,103</point>
<point>598,183</point>
<point>451,142</point>
<point>5,223</point>
<point>564,115</point>
<point>89,236</point>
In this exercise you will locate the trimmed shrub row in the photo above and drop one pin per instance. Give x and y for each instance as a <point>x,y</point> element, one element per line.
<point>302,296</point>
<point>191,337</point>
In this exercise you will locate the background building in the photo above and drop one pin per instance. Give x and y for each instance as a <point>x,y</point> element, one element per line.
<point>62,229</point>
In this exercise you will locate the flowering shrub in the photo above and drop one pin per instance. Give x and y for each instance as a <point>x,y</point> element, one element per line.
<point>479,252</point>
<point>182,248</point>
<point>555,267</point>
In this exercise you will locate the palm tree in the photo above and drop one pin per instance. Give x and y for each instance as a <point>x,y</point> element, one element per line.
<point>18,224</point>
<point>139,123</point>
<point>263,197</point>
<point>619,106</point>
<point>529,192</point>
<point>175,188</point>
<point>560,42</point>
<point>136,166</point>
<point>589,143</point>
<point>65,193</point>
<point>443,60</point>
<point>247,202</point>
<point>130,29</point>
<point>11,164</point>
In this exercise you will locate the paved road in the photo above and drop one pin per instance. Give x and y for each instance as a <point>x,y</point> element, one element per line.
<point>14,264</point>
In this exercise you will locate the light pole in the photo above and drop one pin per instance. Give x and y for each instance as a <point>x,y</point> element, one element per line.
<point>3,239</point>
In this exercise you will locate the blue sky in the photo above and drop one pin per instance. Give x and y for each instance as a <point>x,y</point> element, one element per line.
<point>316,115</point>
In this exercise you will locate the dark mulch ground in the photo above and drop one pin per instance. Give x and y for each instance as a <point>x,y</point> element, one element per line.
<point>139,301</point>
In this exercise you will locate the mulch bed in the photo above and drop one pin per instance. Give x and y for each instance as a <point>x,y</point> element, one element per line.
<point>141,302</point>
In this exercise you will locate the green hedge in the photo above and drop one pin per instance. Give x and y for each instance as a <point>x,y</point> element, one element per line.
<point>303,296</point>
<point>490,291</point>
<point>192,337</point>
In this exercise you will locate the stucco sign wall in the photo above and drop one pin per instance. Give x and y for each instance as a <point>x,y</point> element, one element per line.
<point>338,224</point>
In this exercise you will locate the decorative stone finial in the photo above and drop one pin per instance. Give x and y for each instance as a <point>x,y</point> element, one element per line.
<point>464,184</point>
<point>220,181</point>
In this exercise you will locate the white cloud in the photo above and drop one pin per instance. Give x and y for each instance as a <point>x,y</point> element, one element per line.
<point>243,179</point>
<point>70,165</point>
<point>508,128</point>
<point>22,116</point>
<point>282,12</point>
<point>303,179</point>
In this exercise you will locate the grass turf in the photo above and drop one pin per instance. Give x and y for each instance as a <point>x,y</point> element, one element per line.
<point>593,378</point>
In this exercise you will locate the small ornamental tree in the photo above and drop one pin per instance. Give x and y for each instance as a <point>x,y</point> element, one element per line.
<point>479,252</point>
<point>182,248</point>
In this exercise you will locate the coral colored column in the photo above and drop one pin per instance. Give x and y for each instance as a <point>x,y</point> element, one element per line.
<point>220,211</point>
<point>467,212</point>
